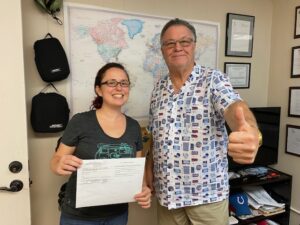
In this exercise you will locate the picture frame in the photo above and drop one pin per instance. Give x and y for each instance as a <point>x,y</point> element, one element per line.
<point>239,35</point>
<point>292,140</point>
<point>297,22</point>
<point>295,65</point>
<point>294,102</point>
<point>239,74</point>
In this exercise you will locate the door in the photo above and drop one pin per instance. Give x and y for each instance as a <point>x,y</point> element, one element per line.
<point>14,206</point>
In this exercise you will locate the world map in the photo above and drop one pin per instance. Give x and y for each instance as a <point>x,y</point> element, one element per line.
<point>95,36</point>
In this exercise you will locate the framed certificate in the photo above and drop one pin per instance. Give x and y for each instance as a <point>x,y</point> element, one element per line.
<point>292,140</point>
<point>294,102</point>
<point>239,35</point>
<point>239,74</point>
<point>297,23</point>
<point>295,67</point>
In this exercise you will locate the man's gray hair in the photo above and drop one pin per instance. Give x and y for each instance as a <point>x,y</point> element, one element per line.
<point>175,22</point>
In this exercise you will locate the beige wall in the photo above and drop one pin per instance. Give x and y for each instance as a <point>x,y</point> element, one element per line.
<point>36,24</point>
<point>279,83</point>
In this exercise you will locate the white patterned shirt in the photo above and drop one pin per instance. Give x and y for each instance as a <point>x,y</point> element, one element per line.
<point>190,138</point>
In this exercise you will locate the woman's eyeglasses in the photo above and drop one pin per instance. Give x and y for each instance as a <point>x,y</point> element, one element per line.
<point>114,83</point>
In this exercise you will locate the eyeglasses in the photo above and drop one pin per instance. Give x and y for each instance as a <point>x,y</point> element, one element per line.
<point>183,43</point>
<point>114,83</point>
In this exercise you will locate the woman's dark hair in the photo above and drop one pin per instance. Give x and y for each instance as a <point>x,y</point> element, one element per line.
<point>175,22</point>
<point>98,101</point>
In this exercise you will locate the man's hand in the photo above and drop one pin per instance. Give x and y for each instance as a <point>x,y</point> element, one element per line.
<point>244,141</point>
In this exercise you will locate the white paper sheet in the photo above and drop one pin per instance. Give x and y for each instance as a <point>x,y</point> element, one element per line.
<point>261,196</point>
<point>296,63</point>
<point>293,140</point>
<point>240,35</point>
<point>295,100</point>
<point>109,181</point>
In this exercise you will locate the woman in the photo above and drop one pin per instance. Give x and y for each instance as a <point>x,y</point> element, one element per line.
<point>88,136</point>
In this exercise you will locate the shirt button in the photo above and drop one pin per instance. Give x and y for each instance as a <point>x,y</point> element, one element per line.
<point>170,166</point>
<point>170,188</point>
<point>171,120</point>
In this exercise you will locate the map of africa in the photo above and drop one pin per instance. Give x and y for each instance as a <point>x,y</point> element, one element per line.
<point>95,36</point>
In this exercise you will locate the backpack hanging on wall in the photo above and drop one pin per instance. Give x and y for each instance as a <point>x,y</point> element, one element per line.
<point>49,111</point>
<point>50,59</point>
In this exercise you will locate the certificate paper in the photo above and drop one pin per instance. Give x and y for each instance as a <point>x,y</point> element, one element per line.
<point>240,35</point>
<point>109,181</point>
<point>293,140</point>
<point>295,102</point>
<point>238,75</point>
<point>296,63</point>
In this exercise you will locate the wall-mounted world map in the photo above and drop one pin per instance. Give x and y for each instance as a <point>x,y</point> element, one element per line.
<point>95,36</point>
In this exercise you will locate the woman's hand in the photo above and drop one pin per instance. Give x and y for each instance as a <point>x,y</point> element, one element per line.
<point>144,198</point>
<point>67,164</point>
<point>63,161</point>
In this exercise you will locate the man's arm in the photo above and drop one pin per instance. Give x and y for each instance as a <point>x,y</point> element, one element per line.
<point>244,138</point>
<point>149,165</point>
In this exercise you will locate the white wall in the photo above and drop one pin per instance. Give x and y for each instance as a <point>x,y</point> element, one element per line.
<point>36,24</point>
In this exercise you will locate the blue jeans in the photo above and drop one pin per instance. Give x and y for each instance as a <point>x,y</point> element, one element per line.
<point>116,220</point>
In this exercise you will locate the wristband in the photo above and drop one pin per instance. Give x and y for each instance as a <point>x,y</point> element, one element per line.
<point>260,138</point>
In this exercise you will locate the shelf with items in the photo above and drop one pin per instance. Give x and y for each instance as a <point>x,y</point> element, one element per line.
<point>278,186</point>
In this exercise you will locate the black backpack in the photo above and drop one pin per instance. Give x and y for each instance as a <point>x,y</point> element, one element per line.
<point>50,59</point>
<point>49,112</point>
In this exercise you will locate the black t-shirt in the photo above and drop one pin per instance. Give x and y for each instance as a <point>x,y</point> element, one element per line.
<point>85,133</point>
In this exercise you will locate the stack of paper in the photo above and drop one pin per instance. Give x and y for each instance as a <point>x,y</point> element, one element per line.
<point>259,199</point>
<point>233,220</point>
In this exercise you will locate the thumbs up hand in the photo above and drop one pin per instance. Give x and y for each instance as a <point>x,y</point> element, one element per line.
<point>244,140</point>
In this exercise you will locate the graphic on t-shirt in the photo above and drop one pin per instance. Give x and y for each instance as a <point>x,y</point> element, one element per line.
<point>110,151</point>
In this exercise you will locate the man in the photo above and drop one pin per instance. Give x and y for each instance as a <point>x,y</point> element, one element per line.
<point>188,111</point>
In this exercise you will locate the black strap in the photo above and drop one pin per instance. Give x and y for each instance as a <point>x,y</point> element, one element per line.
<point>48,34</point>
<point>52,13</point>
<point>57,19</point>
<point>47,86</point>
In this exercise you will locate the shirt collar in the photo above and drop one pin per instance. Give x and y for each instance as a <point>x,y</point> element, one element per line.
<point>168,83</point>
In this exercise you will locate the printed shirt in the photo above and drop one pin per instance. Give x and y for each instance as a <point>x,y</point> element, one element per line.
<point>190,138</point>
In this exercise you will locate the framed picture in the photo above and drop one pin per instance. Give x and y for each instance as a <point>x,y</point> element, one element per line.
<point>295,67</point>
<point>294,102</point>
<point>292,140</point>
<point>239,35</point>
<point>239,74</point>
<point>297,23</point>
